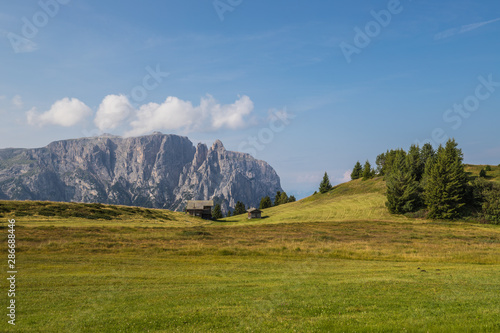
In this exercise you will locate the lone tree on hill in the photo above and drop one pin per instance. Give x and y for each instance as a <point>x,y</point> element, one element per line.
<point>217,212</point>
<point>482,173</point>
<point>357,171</point>
<point>325,185</point>
<point>446,183</point>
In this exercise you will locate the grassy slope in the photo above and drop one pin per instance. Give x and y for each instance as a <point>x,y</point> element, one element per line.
<point>44,213</point>
<point>360,269</point>
<point>493,175</point>
<point>353,201</point>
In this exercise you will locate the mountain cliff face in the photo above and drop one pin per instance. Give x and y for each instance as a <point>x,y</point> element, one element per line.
<point>159,171</point>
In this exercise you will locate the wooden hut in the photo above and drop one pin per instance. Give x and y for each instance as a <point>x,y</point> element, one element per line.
<point>200,208</point>
<point>254,213</point>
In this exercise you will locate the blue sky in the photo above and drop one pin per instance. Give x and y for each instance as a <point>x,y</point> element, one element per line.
<point>308,86</point>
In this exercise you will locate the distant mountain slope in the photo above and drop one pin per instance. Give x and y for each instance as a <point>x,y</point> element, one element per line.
<point>159,171</point>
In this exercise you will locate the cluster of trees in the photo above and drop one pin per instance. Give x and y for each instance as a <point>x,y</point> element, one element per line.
<point>280,199</point>
<point>239,209</point>
<point>435,181</point>
<point>366,172</point>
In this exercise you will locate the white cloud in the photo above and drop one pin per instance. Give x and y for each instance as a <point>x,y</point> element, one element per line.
<point>17,101</point>
<point>176,114</point>
<point>65,112</point>
<point>112,111</point>
<point>462,29</point>
<point>347,176</point>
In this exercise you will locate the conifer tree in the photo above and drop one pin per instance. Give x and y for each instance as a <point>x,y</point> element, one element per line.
<point>277,198</point>
<point>415,165</point>
<point>445,186</point>
<point>426,153</point>
<point>482,173</point>
<point>325,185</point>
<point>292,199</point>
<point>403,191</point>
<point>228,213</point>
<point>283,198</point>
<point>380,162</point>
<point>217,212</point>
<point>367,171</point>
<point>265,203</point>
<point>357,171</point>
<point>239,208</point>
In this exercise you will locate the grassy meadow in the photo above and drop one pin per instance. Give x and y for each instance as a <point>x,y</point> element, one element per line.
<point>334,262</point>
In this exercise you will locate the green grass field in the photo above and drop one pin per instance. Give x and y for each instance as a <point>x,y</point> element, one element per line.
<point>335,262</point>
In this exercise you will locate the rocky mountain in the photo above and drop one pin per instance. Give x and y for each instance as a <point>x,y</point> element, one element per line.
<point>158,171</point>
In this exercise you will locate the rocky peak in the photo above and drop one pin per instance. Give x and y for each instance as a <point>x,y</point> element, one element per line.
<point>200,155</point>
<point>217,145</point>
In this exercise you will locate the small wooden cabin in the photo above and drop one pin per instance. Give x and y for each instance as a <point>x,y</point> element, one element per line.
<point>254,213</point>
<point>200,208</point>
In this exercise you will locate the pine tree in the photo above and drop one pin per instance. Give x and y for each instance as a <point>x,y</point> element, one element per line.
<point>367,171</point>
<point>277,198</point>
<point>414,163</point>
<point>283,198</point>
<point>446,182</point>
<point>292,199</point>
<point>427,153</point>
<point>357,171</point>
<point>239,208</point>
<point>325,185</point>
<point>228,213</point>
<point>482,173</point>
<point>380,162</point>
<point>265,203</point>
<point>217,212</point>
<point>403,191</point>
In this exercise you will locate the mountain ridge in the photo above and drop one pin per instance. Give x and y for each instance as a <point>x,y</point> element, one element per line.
<point>156,171</point>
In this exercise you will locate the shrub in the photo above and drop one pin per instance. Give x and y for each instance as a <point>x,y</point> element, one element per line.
<point>488,168</point>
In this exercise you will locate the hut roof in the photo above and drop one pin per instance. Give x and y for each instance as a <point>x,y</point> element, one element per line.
<point>251,210</point>
<point>199,204</point>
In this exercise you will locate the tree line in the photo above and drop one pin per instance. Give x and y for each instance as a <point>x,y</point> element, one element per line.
<point>434,183</point>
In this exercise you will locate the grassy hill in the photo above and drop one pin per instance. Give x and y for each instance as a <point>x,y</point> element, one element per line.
<point>493,175</point>
<point>356,200</point>
<point>353,201</point>
<point>39,213</point>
